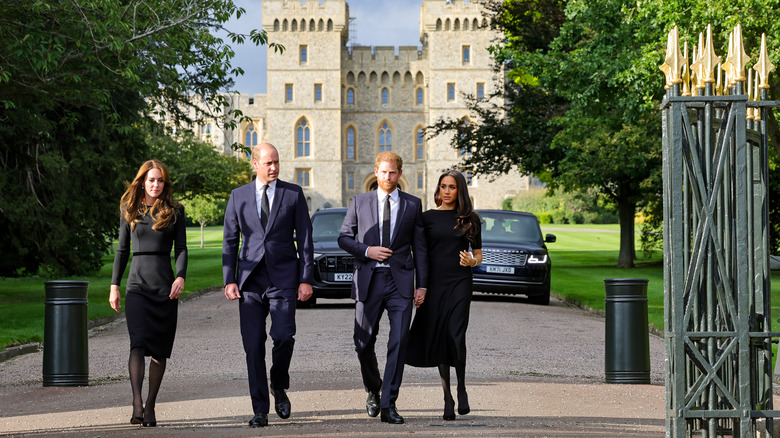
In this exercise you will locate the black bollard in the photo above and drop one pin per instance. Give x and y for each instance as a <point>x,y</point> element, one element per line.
<point>627,356</point>
<point>65,353</point>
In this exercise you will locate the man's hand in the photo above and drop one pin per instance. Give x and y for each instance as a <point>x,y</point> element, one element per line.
<point>419,297</point>
<point>379,253</point>
<point>304,291</point>
<point>231,291</point>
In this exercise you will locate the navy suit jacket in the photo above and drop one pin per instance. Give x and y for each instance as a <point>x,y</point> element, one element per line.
<point>409,262</point>
<point>288,224</point>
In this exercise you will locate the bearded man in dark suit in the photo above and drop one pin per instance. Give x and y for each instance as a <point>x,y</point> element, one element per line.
<point>383,230</point>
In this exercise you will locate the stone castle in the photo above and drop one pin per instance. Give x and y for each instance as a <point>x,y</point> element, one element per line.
<point>330,108</point>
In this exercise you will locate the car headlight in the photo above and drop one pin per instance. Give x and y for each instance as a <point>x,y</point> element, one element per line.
<point>537,259</point>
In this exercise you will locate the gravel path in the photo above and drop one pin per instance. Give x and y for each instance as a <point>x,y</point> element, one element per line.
<point>533,371</point>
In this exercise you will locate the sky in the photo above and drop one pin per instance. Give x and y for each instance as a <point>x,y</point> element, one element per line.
<point>378,23</point>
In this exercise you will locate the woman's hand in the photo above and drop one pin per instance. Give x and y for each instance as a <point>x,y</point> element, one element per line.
<point>114,298</point>
<point>176,288</point>
<point>466,259</point>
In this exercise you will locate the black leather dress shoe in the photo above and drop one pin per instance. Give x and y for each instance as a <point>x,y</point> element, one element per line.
<point>390,415</point>
<point>372,404</point>
<point>259,420</point>
<point>282,403</point>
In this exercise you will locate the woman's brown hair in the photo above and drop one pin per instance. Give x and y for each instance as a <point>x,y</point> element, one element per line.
<point>466,221</point>
<point>132,203</point>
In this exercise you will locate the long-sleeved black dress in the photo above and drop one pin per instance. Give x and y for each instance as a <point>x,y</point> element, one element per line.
<point>151,315</point>
<point>438,333</point>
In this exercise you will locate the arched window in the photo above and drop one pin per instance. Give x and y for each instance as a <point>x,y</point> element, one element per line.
<point>321,25</point>
<point>450,92</point>
<point>466,24</point>
<point>284,25</point>
<point>419,144</point>
<point>350,96</point>
<point>330,25</point>
<point>446,24</point>
<point>438,24</point>
<point>474,24</point>
<point>419,96</point>
<point>385,138</point>
<point>350,146</point>
<point>303,139</point>
<point>385,95</point>
<point>466,54</point>
<point>304,54</point>
<point>276,25</point>
<point>464,150</point>
<point>294,25</point>
<point>456,25</point>
<point>250,138</point>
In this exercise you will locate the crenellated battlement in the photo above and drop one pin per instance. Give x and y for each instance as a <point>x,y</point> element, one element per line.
<point>310,16</point>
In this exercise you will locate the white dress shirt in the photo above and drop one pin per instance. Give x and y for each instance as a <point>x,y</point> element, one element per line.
<point>380,214</point>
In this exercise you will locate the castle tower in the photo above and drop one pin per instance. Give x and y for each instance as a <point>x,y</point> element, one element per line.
<point>303,106</point>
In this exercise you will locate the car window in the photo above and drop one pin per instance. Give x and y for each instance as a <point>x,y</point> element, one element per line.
<point>326,226</point>
<point>509,228</point>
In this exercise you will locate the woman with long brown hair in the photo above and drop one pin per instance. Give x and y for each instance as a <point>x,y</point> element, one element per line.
<point>151,223</point>
<point>438,334</point>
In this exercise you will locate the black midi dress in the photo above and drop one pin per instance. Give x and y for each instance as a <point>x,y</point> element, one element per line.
<point>438,333</point>
<point>151,315</point>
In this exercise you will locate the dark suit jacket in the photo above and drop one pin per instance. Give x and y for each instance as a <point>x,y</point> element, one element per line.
<point>409,262</point>
<point>287,266</point>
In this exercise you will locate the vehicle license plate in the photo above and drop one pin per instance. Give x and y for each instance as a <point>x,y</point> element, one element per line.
<point>344,277</point>
<point>501,269</point>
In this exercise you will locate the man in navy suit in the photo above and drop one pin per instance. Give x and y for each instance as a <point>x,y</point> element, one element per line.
<point>268,274</point>
<point>383,230</point>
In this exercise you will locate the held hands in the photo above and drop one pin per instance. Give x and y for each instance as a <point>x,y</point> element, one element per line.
<point>231,291</point>
<point>419,297</point>
<point>466,259</point>
<point>114,299</point>
<point>176,288</point>
<point>379,253</point>
<point>304,291</point>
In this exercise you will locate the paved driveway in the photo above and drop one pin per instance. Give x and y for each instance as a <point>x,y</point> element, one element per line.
<point>533,371</point>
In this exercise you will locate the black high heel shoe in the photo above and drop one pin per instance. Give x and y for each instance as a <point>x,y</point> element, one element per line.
<point>150,420</point>
<point>449,409</point>
<point>137,419</point>
<point>463,402</point>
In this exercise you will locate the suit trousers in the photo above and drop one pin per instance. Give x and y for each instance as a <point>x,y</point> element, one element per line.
<point>382,295</point>
<point>254,308</point>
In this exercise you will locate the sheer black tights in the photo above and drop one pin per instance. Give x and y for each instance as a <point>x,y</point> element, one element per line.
<point>156,372</point>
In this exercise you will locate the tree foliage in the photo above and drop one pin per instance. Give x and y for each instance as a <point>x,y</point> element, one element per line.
<point>582,93</point>
<point>79,80</point>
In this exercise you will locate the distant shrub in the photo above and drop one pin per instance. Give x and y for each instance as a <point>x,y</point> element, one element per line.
<point>563,208</point>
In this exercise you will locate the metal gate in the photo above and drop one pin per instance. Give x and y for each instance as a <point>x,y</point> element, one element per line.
<point>716,274</point>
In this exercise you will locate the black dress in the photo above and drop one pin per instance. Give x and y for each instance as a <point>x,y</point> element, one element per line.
<point>438,333</point>
<point>150,313</point>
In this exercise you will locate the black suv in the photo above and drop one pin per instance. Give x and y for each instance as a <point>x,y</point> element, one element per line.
<point>514,256</point>
<point>333,266</point>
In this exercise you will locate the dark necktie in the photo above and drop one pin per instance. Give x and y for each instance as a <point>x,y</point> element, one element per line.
<point>386,224</point>
<point>264,207</point>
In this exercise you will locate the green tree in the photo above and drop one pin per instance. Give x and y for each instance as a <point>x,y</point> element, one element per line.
<point>583,94</point>
<point>79,81</point>
<point>197,168</point>
<point>203,210</point>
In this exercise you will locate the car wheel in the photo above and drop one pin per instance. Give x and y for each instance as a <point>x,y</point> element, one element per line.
<point>308,304</point>
<point>544,298</point>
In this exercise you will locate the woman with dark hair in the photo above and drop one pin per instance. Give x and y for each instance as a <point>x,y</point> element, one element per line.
<point>438,334</point>
<point>151,222</point>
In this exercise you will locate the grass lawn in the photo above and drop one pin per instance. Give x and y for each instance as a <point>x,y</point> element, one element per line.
<point>22,300</point>
<point>581,260</point>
